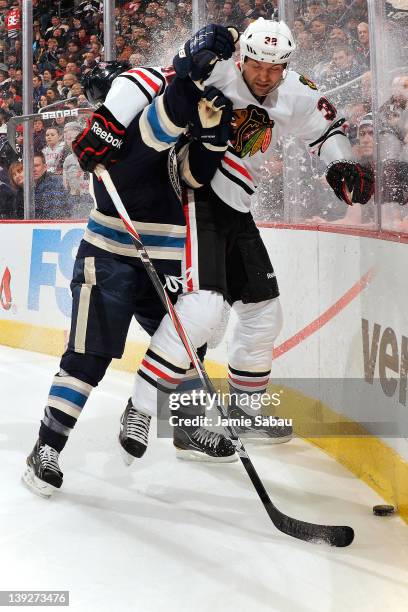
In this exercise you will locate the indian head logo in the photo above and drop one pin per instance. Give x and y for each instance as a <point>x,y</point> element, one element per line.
<point>252,131</point>
<point>5,290</point>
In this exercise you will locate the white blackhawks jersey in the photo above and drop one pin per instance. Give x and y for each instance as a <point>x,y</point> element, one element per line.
<point>295,108</point>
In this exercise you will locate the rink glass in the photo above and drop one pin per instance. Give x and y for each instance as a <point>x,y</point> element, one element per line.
<point>294,190</point>
<point>325,54</point>
<point>389,66</point>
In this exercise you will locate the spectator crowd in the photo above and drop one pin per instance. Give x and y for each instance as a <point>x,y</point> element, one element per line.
<point>333,40</point>
<point>333,51</point>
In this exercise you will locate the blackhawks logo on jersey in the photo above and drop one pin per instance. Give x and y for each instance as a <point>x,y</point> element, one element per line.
<point>252,131</point>
<point>307,82</point>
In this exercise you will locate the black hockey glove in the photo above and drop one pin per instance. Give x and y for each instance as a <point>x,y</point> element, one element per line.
<point>212,123</point>
<point>350,181</point>
<point>201,52</point>
<point>100,142</point>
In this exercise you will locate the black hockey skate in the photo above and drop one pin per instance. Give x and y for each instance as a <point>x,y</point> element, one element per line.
<point>259,427</point>
<point>200,444</point>
<point>134,433</point>
<point>43,474</point>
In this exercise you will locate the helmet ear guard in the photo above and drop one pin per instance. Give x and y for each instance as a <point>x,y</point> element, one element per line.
<point>98,81</point>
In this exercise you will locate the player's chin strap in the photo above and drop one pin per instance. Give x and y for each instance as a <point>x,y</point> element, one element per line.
<point>310,532</point>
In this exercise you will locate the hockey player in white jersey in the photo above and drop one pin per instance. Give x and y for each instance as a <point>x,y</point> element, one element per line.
<point>225,258</point>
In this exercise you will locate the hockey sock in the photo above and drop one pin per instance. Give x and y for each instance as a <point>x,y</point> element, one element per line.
<point>246,388</point>
<point>248,382</point>
<point>156,378</point>
<point>66,399</point>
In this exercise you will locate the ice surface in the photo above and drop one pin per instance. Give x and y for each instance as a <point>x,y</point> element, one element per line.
<point>175,536</point>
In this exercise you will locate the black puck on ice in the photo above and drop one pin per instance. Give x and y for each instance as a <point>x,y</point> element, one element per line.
<point>383,510</point>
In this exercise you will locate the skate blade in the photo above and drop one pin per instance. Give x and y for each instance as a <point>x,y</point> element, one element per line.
<point>193,455</point>
<point>36,485</point>
<point>250,437</point>
<point>128,459</point>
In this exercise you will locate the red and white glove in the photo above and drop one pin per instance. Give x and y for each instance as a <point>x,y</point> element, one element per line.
<point>100,142</point>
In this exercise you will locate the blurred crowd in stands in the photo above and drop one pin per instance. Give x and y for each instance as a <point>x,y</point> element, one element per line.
<point>333,42</point>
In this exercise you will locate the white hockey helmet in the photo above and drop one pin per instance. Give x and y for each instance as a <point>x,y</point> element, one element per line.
<point>267,41</point>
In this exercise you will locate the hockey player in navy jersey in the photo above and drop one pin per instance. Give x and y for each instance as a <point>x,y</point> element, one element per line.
<point>225,258</point>
<point>109,283</point>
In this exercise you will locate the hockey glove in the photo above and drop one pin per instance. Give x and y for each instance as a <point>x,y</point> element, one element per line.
<point>350,181</point>
<point>212,123</point>
<point>201,52</point>
<point>100,142</point>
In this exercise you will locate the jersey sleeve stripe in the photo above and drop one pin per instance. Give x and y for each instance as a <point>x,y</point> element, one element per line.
<point>151,131</point>
<point>155,86</point>
<point>156,74</point>
<point>140,86</point>
<point>171,128</point>
<point>158,131</point>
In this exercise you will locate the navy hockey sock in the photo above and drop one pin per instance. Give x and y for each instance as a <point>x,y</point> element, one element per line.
<point>66,399</point>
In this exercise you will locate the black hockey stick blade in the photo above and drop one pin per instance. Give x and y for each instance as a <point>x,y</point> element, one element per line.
<point>334,535</point>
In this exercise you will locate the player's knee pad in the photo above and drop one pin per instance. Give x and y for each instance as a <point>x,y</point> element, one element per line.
<point>88,368</point>
<point>200,313</point>
<point>254,334</point>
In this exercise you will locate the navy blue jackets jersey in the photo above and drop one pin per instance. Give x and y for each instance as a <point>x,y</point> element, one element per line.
<point>146,175</point>
<point>143,182</point>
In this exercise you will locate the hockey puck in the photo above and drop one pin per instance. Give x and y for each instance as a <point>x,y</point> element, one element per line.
<point>383,510</point>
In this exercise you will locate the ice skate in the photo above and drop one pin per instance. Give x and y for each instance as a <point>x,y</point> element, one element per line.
<point>134,433</point>
<point>249,427</point>
<point>43,475</point>
<point>200,444</point>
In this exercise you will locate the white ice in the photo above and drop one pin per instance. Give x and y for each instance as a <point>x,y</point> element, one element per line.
<point>175,536</point>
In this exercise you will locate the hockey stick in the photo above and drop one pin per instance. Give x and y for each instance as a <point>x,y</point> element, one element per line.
<point>330,534</point>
